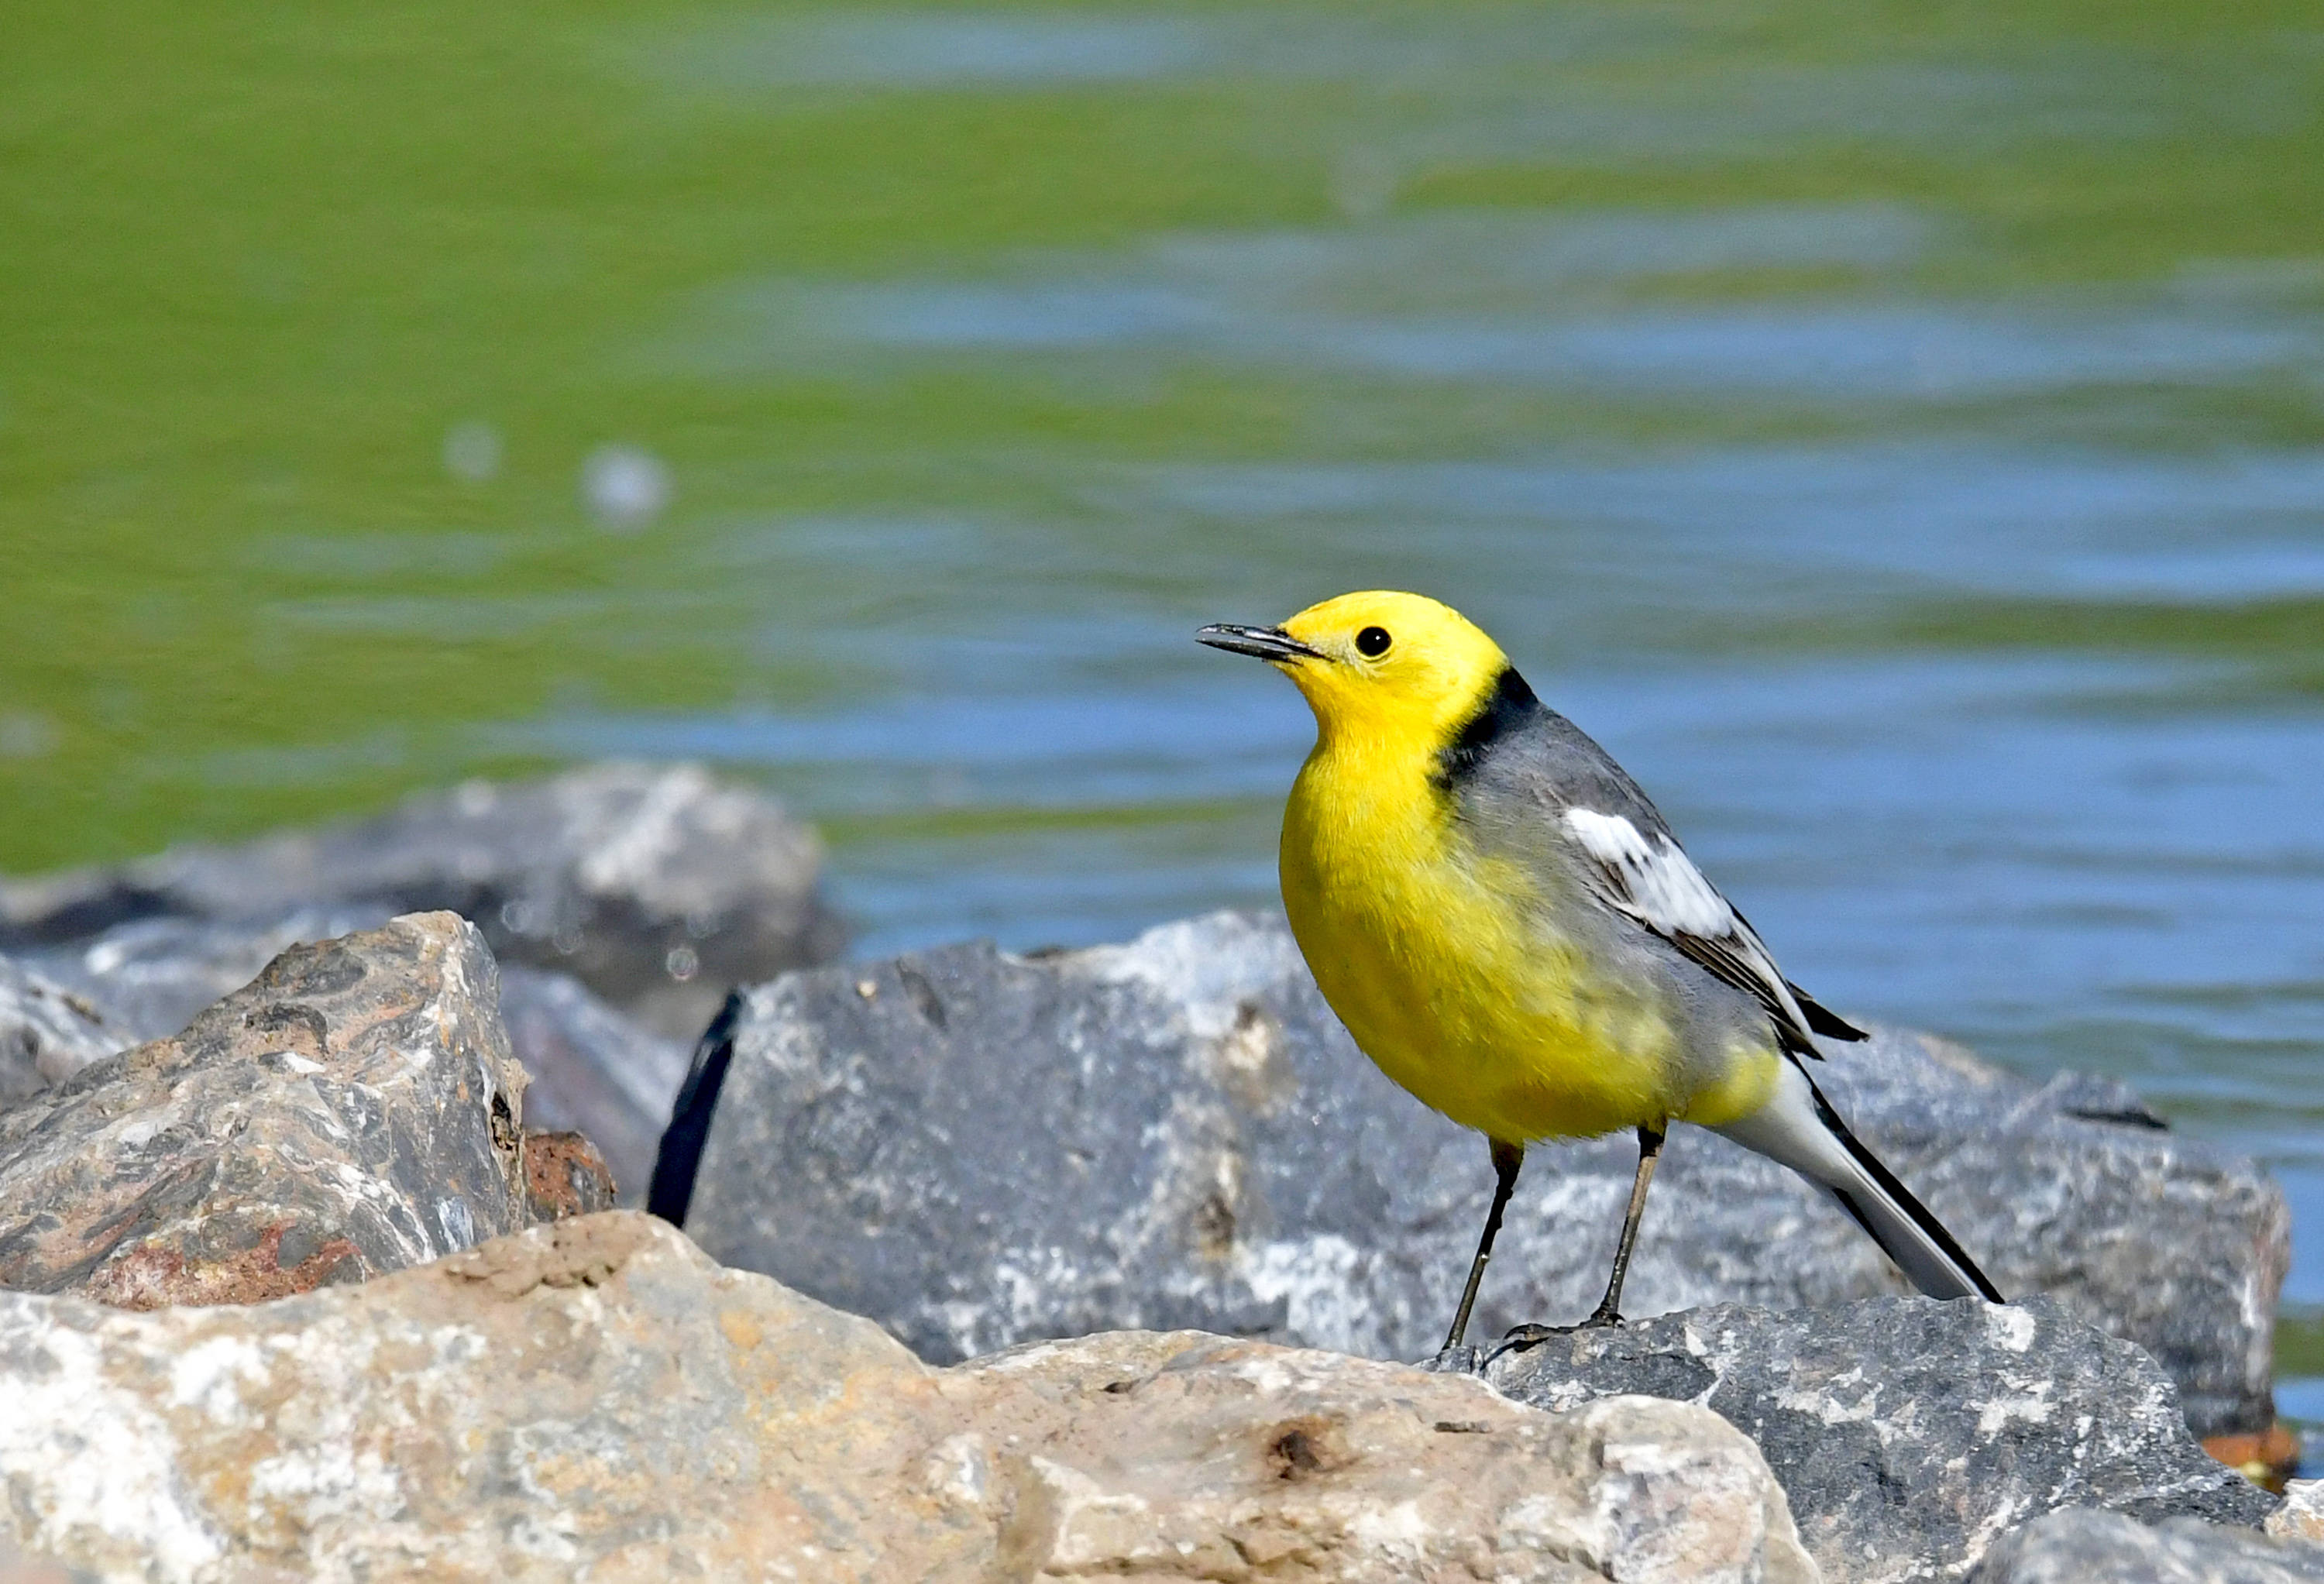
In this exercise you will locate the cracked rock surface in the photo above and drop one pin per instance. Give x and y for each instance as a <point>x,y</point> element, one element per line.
<point>597,1398</point>
<point>352,1110</point>
<point>978,1149</point>
<point>1910,1435</point>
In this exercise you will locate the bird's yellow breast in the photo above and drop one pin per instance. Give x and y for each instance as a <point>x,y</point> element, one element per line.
<point>1444,965</point>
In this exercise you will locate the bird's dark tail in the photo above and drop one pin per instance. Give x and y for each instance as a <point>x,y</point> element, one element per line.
<point>1800,1128</point>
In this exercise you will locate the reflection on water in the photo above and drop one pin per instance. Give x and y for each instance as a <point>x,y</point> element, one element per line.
<point>1905,449</point>
<point>1527,303</point>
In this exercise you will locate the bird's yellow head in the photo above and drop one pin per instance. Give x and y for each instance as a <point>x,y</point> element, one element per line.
<point>1379,665</point>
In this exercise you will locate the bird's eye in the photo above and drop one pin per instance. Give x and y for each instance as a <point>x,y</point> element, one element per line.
<point>1372,642</point>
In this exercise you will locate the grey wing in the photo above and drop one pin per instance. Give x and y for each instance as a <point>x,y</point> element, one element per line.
<point>1650,878</point>
<point>1634,866</point>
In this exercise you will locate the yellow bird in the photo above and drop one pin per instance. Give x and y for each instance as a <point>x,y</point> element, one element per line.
<point>1511,932</point>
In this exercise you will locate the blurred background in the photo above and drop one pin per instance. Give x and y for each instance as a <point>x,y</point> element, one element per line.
<point>1896,431</point>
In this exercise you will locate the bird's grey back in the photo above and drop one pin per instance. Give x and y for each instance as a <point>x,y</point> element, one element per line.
<point>1518,752</point>
<point>1512,790</point>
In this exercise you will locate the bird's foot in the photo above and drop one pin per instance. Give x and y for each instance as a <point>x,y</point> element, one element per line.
<point>1459,1359</point>
<point>1520,1337</point>
<point>1532,1334</point>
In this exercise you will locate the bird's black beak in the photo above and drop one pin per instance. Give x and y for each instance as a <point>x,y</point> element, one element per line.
<point>1266,643</point>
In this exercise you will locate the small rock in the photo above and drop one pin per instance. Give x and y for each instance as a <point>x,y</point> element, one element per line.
<point>47,1033</point>
<point>564,1176</point>
<point>354,1110</point>
<point>978,1149</point>
<point>1906,1432</point>
<point>2302,1515</point>
<point>597,1399</point>
<point>2084,1547</point>
<point>658,888</point>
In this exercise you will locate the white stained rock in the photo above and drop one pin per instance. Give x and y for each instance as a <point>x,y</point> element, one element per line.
<point>2302,1515</point>
<point>597,1399</point>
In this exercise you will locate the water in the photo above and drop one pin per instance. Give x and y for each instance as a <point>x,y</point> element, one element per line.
<point>1899,437</point>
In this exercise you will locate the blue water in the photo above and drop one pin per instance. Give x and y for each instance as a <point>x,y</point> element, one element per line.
<point>1899,439</point>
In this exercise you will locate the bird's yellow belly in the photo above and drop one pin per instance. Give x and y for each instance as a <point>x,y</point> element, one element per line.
<point>1460,992</point>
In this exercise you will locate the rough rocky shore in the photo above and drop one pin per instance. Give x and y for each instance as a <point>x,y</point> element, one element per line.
<point>1110,1263</point>
<point>620,900</point>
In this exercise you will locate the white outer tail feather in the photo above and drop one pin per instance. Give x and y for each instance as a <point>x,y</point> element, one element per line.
<point>1798,1129</point>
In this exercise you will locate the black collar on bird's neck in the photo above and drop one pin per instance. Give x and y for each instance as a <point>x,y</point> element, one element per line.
<point>1506,706</point>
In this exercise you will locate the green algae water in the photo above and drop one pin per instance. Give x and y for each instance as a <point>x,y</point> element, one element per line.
<point>1896,431</point>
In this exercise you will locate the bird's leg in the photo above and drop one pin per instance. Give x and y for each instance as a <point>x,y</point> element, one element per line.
<point>1506,1160</point>
<point>1609,1309</point>
<point>1650,1149</point>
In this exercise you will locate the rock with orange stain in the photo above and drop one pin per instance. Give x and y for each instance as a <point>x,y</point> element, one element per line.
<point>352,1110</point>
<point>564,1176</point>
<point>596,1399</point>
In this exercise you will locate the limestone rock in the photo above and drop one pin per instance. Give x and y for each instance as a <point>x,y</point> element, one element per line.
<point>2084,1547</point>
<point>1908,1434</point>
<point>354,1110</point>
<point>47,1033</point>
<point>2302,1515</point>
<point>596,1399</point>
<point>658,888</point>
<point>977,1149</point>
<point>16,1568</point>
<point>594,1070</point>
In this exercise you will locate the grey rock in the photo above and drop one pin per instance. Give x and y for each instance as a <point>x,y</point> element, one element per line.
<point>1908,1434</point>
<point>2084,1547</point>
<point>48,1033</point>
<point>592,1070</point>
<point>152,976</point>
<point>595,1400</point>
<point>977,1149</point>
<point>658,888</point>
<point>354,1109</point>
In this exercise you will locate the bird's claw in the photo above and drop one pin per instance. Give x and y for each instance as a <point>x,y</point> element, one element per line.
<point>1520,1337</point>
<point>1532,1334</point>
<point>1459,1359</point>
